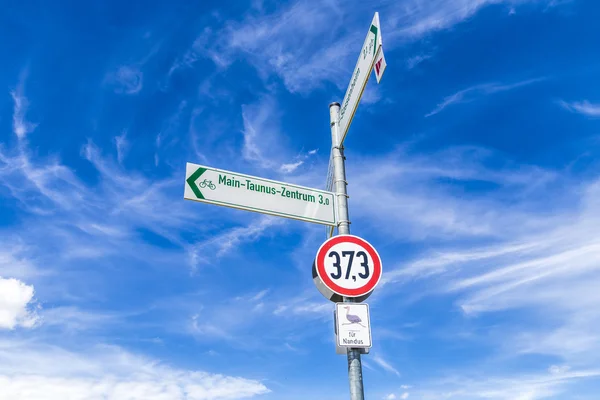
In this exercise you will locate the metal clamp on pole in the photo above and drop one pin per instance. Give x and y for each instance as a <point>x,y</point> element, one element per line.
<point>345,221</point>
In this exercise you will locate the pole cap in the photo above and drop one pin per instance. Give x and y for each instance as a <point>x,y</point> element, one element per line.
<point>335,103</point>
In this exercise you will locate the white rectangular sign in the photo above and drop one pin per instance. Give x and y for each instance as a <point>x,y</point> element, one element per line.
<point>231,189</point>
<point>360,76</point>
<point>353,325</point>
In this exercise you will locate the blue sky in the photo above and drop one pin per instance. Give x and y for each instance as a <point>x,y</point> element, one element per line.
<point>472,169</point>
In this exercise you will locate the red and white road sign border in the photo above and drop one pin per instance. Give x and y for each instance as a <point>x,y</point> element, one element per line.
<point>320,266</point>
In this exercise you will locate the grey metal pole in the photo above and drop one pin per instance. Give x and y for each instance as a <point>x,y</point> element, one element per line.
<point>339,183</point>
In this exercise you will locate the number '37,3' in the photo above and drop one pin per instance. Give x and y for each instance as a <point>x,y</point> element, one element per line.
<point>337,274</point>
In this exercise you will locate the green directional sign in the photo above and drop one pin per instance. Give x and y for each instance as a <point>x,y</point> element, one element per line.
<point>360,76</point>
<point>232,189</point>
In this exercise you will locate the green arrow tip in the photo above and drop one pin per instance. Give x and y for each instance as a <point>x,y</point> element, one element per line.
<point>192,182</point>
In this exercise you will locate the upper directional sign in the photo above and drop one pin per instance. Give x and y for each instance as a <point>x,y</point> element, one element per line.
<point>360,76</point>
<point>226,188</point>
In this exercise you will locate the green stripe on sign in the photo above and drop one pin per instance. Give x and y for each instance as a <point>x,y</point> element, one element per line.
<point>192,182</point>
<point>374,30</point>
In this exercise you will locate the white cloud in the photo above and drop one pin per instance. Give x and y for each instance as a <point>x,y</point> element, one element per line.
<point>35,371</point>
<point>490,387</point>
<point>289,168</point>
<point>473,92</point>
<point>583,107</point>
<point>418,18</point>
<point>534,268</point>
<point>404,396</point>
<point>72,319</point>
<point>390,396</point>
<point>308,304</point>
<point>127,79</point>
<point>264,144</point>
<point>219,244</point>
<point>384,364</point>
<point>13,262</point>
<point>310,42</point>
<point>284,43</point>
<point>83,220</point>
<point>38,186</point>
<point>412,62</point>
<point>558,369</point>
<point>402,194</point>
<point>16,299</point>
<point>122,145</point>
<point>260,295</point>
<point>261,135</point>
<point>371,95</point>
<point>302,158</point>
<point>21,127</point>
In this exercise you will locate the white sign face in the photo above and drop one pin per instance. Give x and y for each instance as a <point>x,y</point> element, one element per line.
<point>353,325</point>
<point>360,76</point>
<point>226,188</point>
<point>348,265</point>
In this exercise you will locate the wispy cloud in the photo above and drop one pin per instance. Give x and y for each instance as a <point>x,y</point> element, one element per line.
<point>308,304</point>
<point>16,299</point>
<point>21,127</point>
<point>126,79</point>
<point>267,42</point>
<point>402,191</point>
<point>14,262</point>
<point>384,364</point>
<point>33,370</point>
<point>414,61</point>
<point>71,319</point>
<point>529,269</point>
<point>218,245</point>
<point>288,168</point>
<point>582,107</point>
<point>418,18</point>
<point>283,42</point>
<point>264,143</point>
<point>122,145</point>
<point>522,386</point>
<point>472,93</point>
<point>260,133</point>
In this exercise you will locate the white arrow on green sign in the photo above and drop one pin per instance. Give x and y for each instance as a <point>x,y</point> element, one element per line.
<point>231,189</point>
<point>360,76</point>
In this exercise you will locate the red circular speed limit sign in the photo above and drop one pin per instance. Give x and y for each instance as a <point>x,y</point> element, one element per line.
<point>348,265</point>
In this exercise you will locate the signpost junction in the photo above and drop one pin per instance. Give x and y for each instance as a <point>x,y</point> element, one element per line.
<point>346,268</point>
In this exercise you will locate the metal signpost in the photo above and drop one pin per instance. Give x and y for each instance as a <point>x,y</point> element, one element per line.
<point>346,268</point>
<point>339,184</point>
<point>340,118</point>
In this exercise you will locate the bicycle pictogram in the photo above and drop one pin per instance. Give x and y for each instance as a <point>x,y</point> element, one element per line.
<point>208,183</point>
